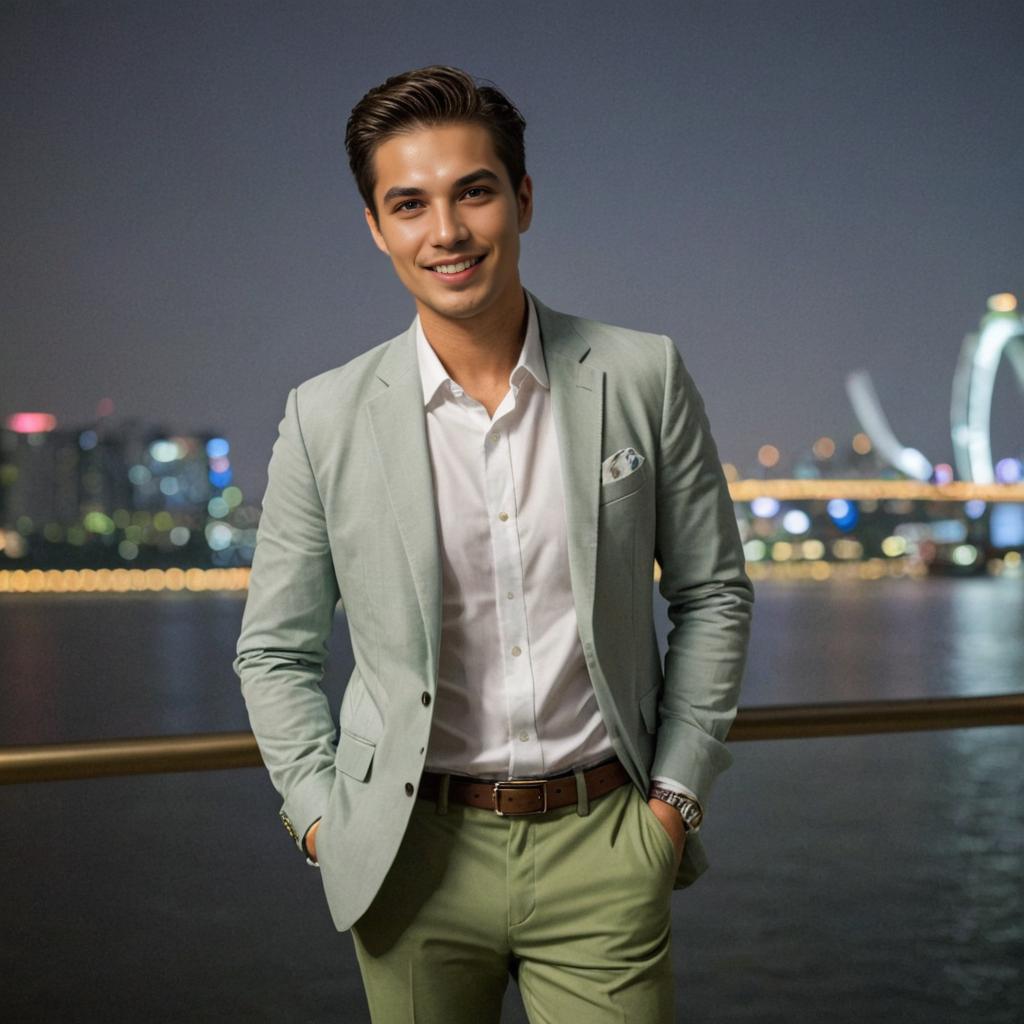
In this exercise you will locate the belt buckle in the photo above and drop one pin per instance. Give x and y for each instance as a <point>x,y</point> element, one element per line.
<point>519,784</point>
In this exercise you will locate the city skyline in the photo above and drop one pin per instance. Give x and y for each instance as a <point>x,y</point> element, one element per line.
<point>793,193</point>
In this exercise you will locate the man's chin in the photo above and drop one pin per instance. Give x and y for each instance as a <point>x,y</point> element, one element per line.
<point>455,307</point>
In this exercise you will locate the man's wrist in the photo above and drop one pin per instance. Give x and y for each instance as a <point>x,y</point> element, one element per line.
<point>311,833</point>
<point>689,808</point>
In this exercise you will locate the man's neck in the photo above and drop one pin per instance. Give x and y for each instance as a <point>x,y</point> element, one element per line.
<point>480,353</point>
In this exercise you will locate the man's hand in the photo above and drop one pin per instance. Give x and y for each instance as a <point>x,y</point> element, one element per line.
<point>672,822</point>
<point>311,837</point>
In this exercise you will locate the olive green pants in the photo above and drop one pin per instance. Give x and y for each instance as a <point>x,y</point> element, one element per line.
<point>573,903</point>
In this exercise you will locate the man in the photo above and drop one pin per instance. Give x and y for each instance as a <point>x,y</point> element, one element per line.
<point>515,784</point>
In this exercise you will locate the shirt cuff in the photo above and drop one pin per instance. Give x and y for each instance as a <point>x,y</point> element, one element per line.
<point>676,787</point>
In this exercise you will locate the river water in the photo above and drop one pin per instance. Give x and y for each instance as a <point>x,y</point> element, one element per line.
<point>857,879</point>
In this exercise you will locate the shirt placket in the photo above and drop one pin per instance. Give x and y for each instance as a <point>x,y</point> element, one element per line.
<point>525,753</point>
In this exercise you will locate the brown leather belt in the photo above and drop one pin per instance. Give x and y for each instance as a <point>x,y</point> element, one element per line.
<point>525,796</point>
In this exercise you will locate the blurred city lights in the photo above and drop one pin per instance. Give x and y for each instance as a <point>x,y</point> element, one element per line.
<point>98,522</point>
<point>218,536</point>
<point>755,550</point>
<point>965,554</point>
<point>31,422</point>
<point>764,508</point>
<point>1008,471</point>
<point>824,448</point>
<point>842,512</point>
<point>847,549</point>
<point>812,549</point>
<point>21,581</point>
<point>796,521</point>
<point>894,546</point>
<point>166,451</point>
<point>1004,302</point>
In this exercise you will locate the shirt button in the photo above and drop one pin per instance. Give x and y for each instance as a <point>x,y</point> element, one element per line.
<point>524,736</point>
<point>425,698</point>
<point>516,652</point>
<point>503,516</point>
<point>495,436</point>
<point>509,595</point>
<point>409,789</point>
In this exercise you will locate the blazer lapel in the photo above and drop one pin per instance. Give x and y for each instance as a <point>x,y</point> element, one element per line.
<point>398,422</point>
<point>577,400</point>
<point>399,428</point>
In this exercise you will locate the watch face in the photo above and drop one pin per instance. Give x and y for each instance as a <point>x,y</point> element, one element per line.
<point>691,815</point>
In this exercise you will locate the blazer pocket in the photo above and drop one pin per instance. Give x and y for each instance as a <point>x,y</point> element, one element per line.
<point>625,485</point>
<point>649,708</point>
<point>354,755</point>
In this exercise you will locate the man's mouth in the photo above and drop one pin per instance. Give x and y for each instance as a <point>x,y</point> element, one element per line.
<point>456,268</point>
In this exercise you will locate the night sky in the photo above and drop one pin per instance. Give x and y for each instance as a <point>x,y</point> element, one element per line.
<point>790,190</point>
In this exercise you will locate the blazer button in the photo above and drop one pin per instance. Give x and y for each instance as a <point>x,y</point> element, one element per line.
<point>425,698</point>
<point>409,789</point>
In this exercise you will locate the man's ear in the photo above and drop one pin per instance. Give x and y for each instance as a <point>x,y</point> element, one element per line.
<point>378,238</point>
<point>524,201</point>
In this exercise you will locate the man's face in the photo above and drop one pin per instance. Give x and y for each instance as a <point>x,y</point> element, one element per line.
<point>444,198</point>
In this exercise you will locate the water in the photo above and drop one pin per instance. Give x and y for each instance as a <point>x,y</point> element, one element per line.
<point>874,878</point>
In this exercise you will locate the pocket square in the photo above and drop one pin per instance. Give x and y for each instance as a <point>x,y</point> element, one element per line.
<point>620,464</point>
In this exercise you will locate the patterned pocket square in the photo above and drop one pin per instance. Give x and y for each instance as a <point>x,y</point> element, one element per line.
<point>621,464</point>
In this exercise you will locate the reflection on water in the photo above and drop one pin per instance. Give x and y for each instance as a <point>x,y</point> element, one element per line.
<point>986,638</point>
<point>865,878</point>
<point>984,903</point>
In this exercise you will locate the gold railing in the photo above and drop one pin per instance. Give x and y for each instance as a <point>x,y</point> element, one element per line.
<point>219,750</point>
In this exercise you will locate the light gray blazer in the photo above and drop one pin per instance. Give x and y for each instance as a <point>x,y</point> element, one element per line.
<point>349,522</point>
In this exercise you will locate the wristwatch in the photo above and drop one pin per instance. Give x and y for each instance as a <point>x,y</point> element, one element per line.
<point>690,810</point>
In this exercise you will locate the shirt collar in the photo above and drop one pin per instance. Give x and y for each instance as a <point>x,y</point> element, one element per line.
<point>531,358</point>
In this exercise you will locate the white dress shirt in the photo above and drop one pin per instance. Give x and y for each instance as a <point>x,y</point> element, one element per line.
<point>514,697</point>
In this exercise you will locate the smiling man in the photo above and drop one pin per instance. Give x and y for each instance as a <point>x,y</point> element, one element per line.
<point>516,781</point>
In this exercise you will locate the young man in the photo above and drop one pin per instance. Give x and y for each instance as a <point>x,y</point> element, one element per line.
<point>516,783</point>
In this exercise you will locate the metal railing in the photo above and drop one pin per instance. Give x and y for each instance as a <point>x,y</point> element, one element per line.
<point>215,751</point>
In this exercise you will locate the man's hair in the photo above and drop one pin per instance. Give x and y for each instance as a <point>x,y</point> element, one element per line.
<point>424,97</point>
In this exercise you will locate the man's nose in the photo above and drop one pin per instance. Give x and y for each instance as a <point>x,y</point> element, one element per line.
<point>447,226</point>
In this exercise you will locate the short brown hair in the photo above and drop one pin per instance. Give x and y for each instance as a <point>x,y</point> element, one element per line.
<point>427,96</point>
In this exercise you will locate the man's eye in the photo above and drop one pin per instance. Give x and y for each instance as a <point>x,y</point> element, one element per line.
<point>478,190</point>
<point>407,205</point>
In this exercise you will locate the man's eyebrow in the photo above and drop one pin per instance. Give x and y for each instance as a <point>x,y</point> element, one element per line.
<point>405,191</point>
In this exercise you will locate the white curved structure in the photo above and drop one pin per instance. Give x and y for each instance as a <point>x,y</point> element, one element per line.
<point>1002,332</point>
<point>868,410</point>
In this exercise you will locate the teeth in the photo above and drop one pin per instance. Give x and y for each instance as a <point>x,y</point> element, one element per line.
<point>455,268</point>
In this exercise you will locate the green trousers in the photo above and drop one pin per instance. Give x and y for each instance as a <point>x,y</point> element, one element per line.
<point>574,904</point>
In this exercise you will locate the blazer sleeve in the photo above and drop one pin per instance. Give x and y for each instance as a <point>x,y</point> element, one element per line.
<point>286,626</point>
<point>704,581</point>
